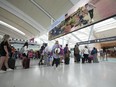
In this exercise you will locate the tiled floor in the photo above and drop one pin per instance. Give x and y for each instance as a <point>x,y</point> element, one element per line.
<point>101,74</point>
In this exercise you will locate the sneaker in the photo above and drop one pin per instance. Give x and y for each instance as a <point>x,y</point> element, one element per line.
<point>9,69</point>
<point>1,71</point>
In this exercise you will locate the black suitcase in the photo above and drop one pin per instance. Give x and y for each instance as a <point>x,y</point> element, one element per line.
<point>78,58</point>
<point>26,63</point>
<point>11,63</point>
<point>89,60</point>
<point>83,60</point>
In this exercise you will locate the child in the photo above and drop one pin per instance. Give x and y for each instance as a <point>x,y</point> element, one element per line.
<point>56,58</point>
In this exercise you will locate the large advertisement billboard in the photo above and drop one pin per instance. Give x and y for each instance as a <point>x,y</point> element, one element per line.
<point>83,14</point>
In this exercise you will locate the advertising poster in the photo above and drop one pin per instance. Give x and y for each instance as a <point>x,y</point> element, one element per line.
<point>83,15</point>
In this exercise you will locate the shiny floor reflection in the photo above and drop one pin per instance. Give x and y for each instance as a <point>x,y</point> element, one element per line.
<point>101,74</point>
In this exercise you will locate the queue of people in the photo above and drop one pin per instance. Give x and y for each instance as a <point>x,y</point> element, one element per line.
<point>57,55</point>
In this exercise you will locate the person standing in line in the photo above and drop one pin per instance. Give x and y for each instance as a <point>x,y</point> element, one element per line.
<point>86,53</point>
<point>66,54</point>
<point>46,54</point>
<point>4,52</point>
<point>94,53</point>
<point>76,53</point>
<point>105,52</point>
<point>90,8</point>
<point>61,54</point>
<point>66,49</point>
<point>41,55</point>
<point>101,55</point>
<point>25,49</point>
<point>56,45</point>
<point>25,60</point>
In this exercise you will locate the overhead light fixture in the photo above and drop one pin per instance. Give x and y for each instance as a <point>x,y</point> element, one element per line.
<point>11,27</point>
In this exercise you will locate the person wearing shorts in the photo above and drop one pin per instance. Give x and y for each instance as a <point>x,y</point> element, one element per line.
<point>4,47</point>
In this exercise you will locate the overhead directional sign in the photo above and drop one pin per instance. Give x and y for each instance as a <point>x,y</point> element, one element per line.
<point>98,40</point>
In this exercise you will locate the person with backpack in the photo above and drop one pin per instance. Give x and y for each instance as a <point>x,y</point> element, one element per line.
<point>94,53</point>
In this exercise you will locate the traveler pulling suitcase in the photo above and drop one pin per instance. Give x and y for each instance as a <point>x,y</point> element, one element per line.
<point>26,63</point>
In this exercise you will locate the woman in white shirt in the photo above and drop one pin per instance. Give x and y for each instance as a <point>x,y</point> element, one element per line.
<point>25,60</point>
<point>25,47</point>
<point>86,53</point>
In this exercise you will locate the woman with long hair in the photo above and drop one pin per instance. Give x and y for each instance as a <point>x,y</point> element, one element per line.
<point>25,47</point>
<point>94,53</point>
<point>4,53</point>
<point>25,60</point>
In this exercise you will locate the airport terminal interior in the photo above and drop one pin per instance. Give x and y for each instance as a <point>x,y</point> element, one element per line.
<point>57,43</point>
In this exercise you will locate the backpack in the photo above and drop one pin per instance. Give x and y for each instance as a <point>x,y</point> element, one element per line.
<point>93,52</point>
<point>65,50</point>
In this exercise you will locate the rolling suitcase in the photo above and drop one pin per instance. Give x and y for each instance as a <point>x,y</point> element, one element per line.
<point>26,63</point>
<point>83,60</point>
<point>11,63</point>
<point>67,59</point>
<point>89,60</point>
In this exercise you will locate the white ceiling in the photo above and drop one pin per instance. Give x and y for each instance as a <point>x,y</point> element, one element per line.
<point>29,18</point>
